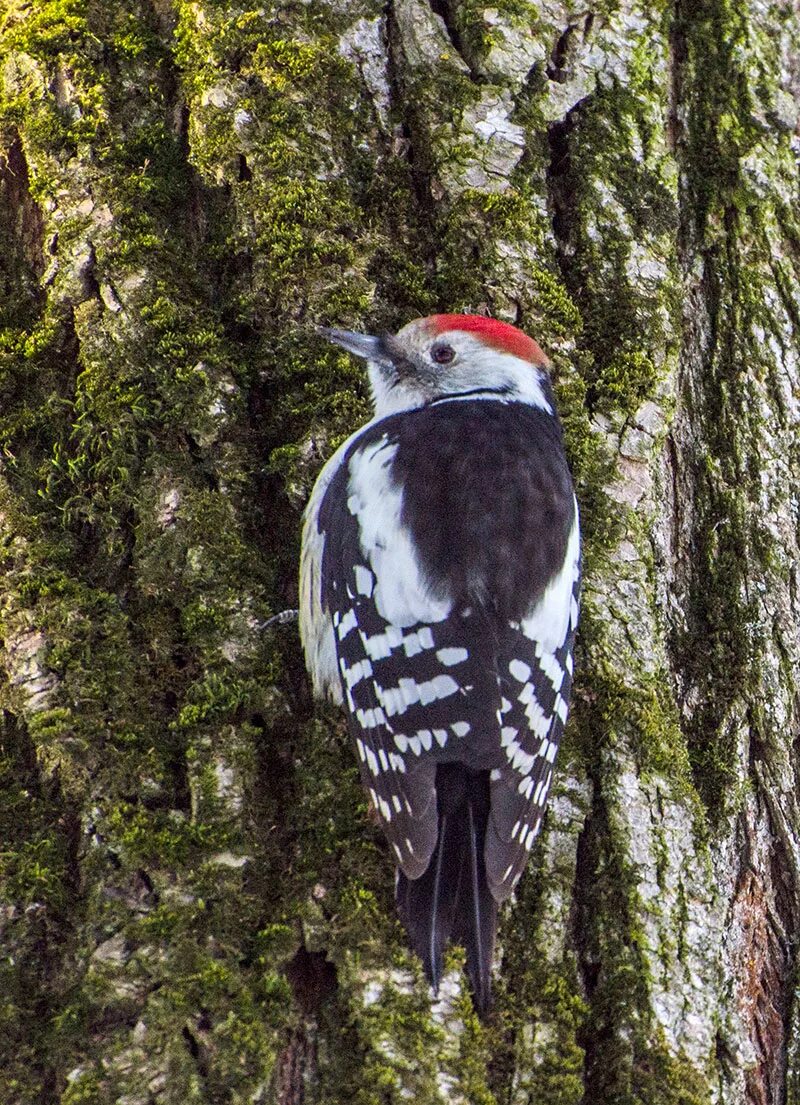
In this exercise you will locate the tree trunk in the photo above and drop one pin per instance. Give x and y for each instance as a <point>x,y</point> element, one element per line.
<point>197,905</point>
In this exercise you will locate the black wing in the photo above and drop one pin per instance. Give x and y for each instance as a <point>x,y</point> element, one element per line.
<point>535,685</point>
<point>416,696</point>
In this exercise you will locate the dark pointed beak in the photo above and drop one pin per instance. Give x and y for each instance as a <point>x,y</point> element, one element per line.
<point>362,345</point>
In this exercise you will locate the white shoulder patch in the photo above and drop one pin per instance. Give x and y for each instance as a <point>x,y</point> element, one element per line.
<point>401,595</point>
<point>549,621</point>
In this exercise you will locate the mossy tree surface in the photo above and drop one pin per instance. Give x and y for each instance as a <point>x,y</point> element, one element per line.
<point>196,906</point>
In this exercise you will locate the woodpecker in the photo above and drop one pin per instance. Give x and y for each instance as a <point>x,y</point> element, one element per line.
<point>439,589</point>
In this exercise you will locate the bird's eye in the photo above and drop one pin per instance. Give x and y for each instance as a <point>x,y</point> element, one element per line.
<point>443,354</point>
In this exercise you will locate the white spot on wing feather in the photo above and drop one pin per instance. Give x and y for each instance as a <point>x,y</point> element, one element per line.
<point>451,656</point>
<point>538,722</point>
<point>520,671</point>
<point>408,692</point>
<point>371,718</point>
<point>409,689</point>
<point>392,700</point>
<point>379,646</point>
<point>348,622</point>
<point>355,674</point>
<point>553,670</point>
<point>364,580</point>
<point>426,736</point>
<point>397,762</point>
<point>523,761</point>
<point>414,643</point>
<point>441,686</point>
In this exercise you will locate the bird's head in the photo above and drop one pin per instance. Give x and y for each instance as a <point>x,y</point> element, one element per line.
<point>450,355</point>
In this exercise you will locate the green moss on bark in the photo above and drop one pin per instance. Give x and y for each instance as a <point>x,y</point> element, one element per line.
<point>728,80</point>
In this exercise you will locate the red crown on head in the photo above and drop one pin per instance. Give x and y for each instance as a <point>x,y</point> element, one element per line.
<point>500,335</point>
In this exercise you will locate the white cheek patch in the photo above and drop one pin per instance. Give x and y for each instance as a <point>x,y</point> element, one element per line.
<point>400,594</point>
<point>390,395</point>
<point>505,378</point>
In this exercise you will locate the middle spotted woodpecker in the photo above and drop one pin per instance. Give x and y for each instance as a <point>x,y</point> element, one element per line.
<point>439,586</point>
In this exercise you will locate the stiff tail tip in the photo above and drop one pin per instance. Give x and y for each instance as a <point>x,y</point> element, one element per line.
<point>452,900</point>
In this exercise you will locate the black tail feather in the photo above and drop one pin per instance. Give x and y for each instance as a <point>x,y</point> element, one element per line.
<point>475,922</point>
<point>452,900</point>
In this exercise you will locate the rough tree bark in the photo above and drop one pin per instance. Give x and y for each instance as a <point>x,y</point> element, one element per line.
<point>196,905</point>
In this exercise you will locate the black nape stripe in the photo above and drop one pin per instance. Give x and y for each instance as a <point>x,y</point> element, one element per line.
<point>504,390</point>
